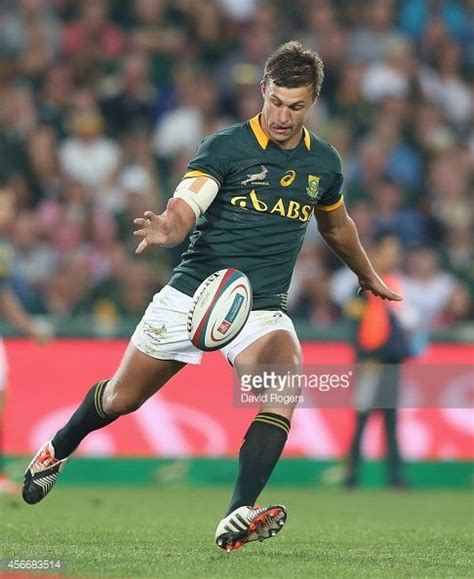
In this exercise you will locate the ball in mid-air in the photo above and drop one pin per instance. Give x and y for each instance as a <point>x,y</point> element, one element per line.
<point>221,306</point>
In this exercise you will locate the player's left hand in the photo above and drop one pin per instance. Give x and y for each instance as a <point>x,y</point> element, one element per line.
<point>379,289</point>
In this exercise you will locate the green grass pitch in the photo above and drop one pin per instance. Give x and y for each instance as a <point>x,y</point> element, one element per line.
<point>163,532</point>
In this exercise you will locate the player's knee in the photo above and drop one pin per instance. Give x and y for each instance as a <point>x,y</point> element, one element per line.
<point>296,358</point>
<point>117,401</point>
<point>121,405</point>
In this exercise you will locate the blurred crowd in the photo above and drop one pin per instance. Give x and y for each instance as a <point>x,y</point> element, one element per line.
<point>103,102</point>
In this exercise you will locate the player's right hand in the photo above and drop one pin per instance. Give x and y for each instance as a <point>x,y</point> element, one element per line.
<point>153,229</point>
<point>167,229</point>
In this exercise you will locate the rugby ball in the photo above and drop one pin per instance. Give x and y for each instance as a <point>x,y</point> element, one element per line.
<point>220,308</point>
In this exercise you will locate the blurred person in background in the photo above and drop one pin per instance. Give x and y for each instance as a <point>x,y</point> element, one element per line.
<point>90,158</point>
<point>128,100</point>
<point>198,114</point>
<point>92,41</point>
<point>390,214</point>
<point>444,85</point>
<point>18,121</point>
<point>374,32</point>
<point>427,288</point>
<point>403,163</point>
<point>131,296</point>
<point>308,267</point>
<point>458,311</point>
<point>417,16</point>
<point>349,104</point>
<point>35,260</point>
<point>316,304</point>
<point>457,254</point>
<point>158,34</point>
<point>368,169</point>
<point>67,290</point>
<point>391,76</point>
<point>43,171</point>
<point>13,311</point>
<point>55,98</point>
<point>21,22</point>
<point>382,344</point>
<point>245,61</point>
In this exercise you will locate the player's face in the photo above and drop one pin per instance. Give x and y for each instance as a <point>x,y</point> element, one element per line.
<point>284,111</point>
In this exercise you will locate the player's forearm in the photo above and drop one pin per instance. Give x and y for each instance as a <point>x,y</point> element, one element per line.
<point>181,220</point>
<point>15,313</point>
<point>344,242</point>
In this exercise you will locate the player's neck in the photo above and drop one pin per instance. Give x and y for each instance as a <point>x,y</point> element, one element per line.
<point>291,143</point>
<point>287,145</point>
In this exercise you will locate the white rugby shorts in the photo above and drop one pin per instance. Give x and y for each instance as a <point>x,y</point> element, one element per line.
<point>162,332</point>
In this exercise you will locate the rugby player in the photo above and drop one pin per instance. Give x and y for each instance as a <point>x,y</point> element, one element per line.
<point>249,193</point>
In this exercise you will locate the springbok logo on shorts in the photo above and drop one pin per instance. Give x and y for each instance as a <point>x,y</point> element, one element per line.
<point>257,178</point>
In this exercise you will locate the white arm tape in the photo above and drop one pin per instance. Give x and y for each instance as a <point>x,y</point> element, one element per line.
<point>200,201</point>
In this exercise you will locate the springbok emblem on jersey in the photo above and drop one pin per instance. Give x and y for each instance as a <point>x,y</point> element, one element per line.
<point>312,190</point>
<point>253,177</point>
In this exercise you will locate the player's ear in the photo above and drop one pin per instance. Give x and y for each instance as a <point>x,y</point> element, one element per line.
<point>263,88</point>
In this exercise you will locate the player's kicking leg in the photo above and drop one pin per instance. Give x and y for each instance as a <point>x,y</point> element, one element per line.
<point>262,446</point>
<point>138,377</point>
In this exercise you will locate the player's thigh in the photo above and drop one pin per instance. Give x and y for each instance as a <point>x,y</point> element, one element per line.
<point>138,377</point>
<point>278,352</point>
<point>159,347</point>
<point>274,348</point>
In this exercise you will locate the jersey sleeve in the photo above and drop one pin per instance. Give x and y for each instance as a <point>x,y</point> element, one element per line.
<point>208,160</point>
<point>332,197</point>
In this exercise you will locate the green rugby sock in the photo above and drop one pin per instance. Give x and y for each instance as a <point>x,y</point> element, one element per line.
<point>259,453</point>
<point>88,417</point>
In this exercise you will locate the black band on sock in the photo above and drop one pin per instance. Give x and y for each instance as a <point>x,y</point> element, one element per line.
<point>274,419</point>
<point>262,446</point>
<point>99,390</point>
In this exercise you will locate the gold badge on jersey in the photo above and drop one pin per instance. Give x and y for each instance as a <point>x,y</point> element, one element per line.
<point>312,189</point>
<point>288,178</point>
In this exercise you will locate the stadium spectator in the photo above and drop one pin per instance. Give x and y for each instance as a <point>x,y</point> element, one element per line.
<point>375,33</point>
<point>445,86</point>
<point>391,76</point>
<point>426,286</point>
<point>128,100</point>
<point>92,40</point>
<point>55,98</point>
<point>23,24</point>
<point>382,343</point>
<point>87,156</point>
<point>390,215</point>
<point>155,33</point>
<point>182,128</point>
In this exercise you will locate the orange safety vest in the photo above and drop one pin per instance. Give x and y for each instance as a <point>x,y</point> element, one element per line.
<point>374,329</point>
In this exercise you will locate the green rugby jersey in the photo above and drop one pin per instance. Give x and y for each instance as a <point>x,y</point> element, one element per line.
<point>258,219</point>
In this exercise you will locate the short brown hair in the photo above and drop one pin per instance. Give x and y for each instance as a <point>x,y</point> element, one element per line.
<point>292,66</point>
